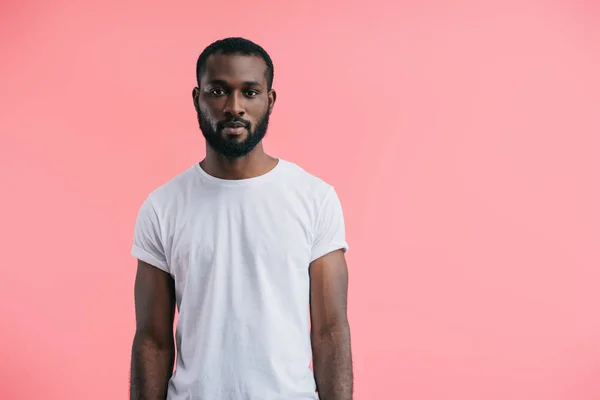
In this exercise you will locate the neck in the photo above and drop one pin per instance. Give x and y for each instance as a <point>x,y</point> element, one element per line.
<point>254,164</point>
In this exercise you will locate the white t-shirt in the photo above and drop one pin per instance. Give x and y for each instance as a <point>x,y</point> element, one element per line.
<point>239,253</point>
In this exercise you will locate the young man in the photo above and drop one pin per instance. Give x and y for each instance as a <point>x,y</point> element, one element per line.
<point>244,244</point>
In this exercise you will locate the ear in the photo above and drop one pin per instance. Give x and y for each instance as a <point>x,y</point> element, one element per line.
<point>272,99</point>
<point>195,95</point>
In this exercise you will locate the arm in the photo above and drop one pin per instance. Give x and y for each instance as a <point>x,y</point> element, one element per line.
<point>153,350</point>
<point>330,331</point>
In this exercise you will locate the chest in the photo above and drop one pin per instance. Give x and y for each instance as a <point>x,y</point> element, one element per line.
<point>230,239</point>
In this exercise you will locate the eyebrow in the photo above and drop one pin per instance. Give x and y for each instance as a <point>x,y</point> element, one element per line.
<point>221,82</point>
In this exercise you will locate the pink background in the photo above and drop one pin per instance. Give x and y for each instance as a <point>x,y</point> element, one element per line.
<point>463,139</point>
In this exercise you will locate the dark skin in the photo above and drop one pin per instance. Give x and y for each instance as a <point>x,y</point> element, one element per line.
<point>235,85</point>
<point>330,331</point>
<point>153,350</point>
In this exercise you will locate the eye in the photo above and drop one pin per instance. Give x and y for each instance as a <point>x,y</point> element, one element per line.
<point>251,93</point>
<point>217,92</point>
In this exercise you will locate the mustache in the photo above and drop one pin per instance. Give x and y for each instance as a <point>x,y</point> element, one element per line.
<point>233,121</point>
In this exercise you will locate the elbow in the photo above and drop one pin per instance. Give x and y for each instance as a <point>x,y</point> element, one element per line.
<point>334,329</point>
<point>153,340</point>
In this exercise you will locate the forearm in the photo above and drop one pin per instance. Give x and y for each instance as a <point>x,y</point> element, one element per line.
<point>151,369</point>
<point>332,363</point>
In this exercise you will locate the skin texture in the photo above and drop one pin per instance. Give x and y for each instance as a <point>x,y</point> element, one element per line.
<point>234,88</point>
<point>153,350</point>
<point>330,331</point>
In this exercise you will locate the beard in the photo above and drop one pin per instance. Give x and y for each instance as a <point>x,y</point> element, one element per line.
<point>231,148</point>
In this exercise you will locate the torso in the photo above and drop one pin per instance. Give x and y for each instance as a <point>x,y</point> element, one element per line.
<point>239,252</point>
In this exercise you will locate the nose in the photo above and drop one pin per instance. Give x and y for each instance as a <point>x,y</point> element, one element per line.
<point>234,106</point>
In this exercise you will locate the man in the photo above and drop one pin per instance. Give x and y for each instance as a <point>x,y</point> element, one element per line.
<point>244,244</point>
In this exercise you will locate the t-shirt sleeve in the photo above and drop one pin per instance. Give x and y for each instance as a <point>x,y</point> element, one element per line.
<point>330,230</point>
<point>147,243</point>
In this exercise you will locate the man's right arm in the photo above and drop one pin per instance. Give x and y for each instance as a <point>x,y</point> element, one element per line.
<point>153,350</point>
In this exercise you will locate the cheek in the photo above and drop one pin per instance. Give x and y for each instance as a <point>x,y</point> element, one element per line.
<point>258,112</point>
<point>209,113</point>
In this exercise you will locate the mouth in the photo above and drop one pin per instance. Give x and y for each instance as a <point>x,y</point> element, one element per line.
<point>234,131</point>
<point>234,128</point>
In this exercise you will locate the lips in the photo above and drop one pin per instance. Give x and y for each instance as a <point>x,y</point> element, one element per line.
<point>234,125</point>
<point>234,128</point>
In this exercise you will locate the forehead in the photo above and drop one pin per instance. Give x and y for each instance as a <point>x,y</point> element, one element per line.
<point>234,68</point>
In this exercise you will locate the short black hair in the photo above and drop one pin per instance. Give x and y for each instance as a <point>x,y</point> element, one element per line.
<point>231,46</point>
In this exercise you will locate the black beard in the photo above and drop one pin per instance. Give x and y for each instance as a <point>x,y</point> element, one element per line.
<point>229,148</point>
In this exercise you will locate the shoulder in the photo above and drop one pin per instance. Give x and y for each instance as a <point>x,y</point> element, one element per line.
<point>169,193</point>
<point>306,182</point>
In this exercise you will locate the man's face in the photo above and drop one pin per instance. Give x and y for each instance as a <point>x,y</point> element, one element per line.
<point>233,103</point>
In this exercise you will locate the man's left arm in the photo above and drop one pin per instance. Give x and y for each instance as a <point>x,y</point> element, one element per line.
<point>330,330</point>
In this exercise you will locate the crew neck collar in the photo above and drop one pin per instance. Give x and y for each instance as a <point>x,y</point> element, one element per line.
<point>241,182</point>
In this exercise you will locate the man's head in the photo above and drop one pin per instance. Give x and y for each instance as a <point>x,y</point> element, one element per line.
<point>235,95</point>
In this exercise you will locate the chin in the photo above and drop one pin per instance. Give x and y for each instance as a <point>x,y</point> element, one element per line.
<point>236,139</point>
